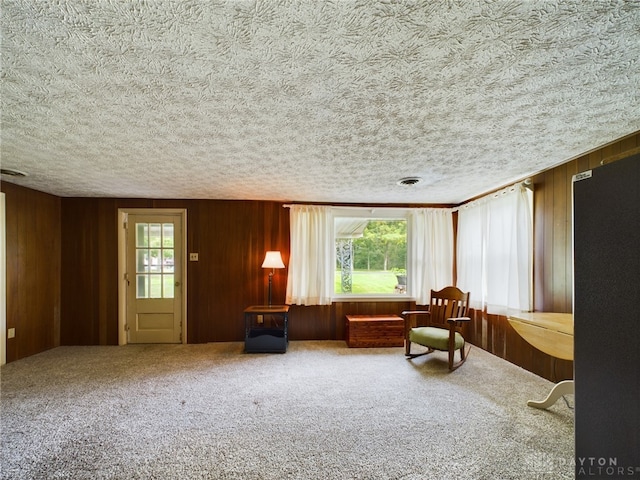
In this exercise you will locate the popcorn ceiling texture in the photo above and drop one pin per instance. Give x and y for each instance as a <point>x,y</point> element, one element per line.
<point>326,101</point>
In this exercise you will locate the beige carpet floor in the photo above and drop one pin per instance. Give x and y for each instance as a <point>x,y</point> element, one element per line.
<point>319,411</point>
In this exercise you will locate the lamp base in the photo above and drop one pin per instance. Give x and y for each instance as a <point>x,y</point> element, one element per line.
<point>270,281</point>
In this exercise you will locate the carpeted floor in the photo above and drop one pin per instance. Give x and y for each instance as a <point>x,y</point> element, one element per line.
<point>319,411</point>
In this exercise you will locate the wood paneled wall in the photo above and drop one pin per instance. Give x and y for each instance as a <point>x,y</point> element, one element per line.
<point>553,268</point>
<point>553,262</point>
<point>33,270</point>
<point>230,237</point>
<point>66,251</point>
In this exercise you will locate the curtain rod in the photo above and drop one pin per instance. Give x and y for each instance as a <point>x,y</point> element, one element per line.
<point>527,183</point>
<point>363,207</point>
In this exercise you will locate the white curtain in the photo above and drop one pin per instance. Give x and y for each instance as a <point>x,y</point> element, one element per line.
<point>470,256</point>
<point>311,255</point>
<point>495,251</point>
<point>431,252</point>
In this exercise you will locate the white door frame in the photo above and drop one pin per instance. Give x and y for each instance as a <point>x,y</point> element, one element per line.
<point>123,214</point>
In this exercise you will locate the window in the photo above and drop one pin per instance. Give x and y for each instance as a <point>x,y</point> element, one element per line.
<point>495,250</point>
<point>370,254</point>
<point>340,253</point>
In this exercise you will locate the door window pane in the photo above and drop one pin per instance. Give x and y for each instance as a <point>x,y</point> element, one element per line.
<point>167,260</point>
<point>168,285</point>
<point>167,235</point>
<point>142,264</point>
<point>155,235</point>
<point>155,286</point>
<point>142,235</point>
<point>155,260</point>
<point>142,288</point>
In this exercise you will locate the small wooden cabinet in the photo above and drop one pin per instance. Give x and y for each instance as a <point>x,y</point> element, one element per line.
<point>266,328</point>
<point>375,331</point>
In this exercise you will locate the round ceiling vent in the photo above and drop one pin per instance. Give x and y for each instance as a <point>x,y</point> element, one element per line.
<point>409,181</point>
<point>12,173</point>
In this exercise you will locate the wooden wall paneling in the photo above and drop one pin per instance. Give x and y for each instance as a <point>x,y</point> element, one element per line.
<point>107,274</point>
<point>42,274</point>
<point>488,327</point>
<point>212,291</point>
<point>518,351</point>
<point>15,250</point>
<point>250,287</point>
<point>79,218</point>
<point>215,279</point>
<point>567,302</point>
<point>281,241</point>
<point>90,269</point>
<point>231,238</point>
<point>559,242</point>
<point>473,333</point>
<point>499,335</point>
<point>629,143</point>
<point>48,264</point>
<point>198,292</point>
<point>548,245</point>
<point>539,242</point>
<point>269,230</point>
<point>553,268</point>
<point>33,270</point>
<point>595,159</point>
<point>311,322</point>
<point>582,164</point>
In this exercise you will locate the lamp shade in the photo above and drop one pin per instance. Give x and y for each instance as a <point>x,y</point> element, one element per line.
<point>272,259</point>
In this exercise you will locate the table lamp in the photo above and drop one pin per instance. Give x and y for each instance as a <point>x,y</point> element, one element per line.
<point>272,260</point>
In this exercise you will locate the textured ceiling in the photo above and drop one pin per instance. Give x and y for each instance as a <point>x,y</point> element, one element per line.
<point>318,101</point>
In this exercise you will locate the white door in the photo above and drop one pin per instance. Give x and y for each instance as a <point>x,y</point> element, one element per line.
<point>154,283</point>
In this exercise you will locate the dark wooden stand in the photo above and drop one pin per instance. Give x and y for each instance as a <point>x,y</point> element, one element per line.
<point>266,328</point>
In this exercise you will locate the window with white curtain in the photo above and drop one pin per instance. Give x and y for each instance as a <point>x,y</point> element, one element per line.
<point>322,242</point>
<point>370,252</point>
<point>495,250</point>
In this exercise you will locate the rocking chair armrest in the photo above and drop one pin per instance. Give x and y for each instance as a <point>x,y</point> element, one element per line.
<point>453,320</point>
<point>410,319</point>
<point>415,312</point>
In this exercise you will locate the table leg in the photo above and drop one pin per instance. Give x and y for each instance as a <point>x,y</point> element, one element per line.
<point>562,388</point>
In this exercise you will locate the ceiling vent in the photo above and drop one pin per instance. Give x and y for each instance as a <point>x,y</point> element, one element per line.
<point>409,181</point>
<point>12,173</point>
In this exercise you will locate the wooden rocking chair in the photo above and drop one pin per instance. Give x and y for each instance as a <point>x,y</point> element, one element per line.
<point>441,326</point>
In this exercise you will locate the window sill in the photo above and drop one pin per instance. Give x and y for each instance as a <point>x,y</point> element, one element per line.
<point>371,298</point>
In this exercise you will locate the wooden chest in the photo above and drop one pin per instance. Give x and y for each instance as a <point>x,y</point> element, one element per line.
<point>375,331</point>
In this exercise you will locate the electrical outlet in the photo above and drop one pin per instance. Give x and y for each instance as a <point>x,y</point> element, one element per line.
<point>260,318</point>
<point>11,333</point>
<point>193,257</point>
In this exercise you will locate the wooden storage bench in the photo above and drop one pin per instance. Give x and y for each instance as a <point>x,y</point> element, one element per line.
<point>375,331</point>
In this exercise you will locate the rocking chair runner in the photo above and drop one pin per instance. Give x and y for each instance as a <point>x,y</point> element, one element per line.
<point>443,327</point>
